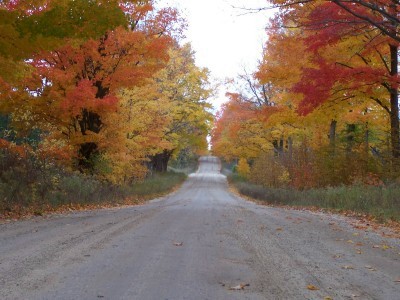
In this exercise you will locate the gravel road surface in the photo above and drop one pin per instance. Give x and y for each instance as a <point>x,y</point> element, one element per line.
<point>197,243</point>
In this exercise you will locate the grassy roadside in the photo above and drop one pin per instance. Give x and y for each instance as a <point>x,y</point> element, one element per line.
<point>78,192</point>
<point>382,203</point>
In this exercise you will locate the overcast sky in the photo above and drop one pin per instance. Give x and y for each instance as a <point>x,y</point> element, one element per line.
<point>224,38</point>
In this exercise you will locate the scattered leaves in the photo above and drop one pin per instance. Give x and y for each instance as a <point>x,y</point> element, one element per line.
<point>312,287</point>
<point>370,268</point>
<point>239,287</point>
<point>348,267</point>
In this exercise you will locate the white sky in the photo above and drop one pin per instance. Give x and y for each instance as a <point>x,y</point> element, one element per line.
<point>224,38</point>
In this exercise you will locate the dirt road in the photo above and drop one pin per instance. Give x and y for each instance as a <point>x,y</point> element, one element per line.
<point>196,244</point>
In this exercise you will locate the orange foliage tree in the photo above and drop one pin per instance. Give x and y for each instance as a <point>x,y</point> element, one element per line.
<point>84,76</point>
<point>331,69</point>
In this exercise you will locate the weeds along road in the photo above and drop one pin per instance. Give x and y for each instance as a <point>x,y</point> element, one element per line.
<point>196,244</point>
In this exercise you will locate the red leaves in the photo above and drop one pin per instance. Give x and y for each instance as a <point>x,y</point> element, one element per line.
<point>19,151</point>
<point>329,23</point>
<point>316,85</point>
<point>347,54</point>
<point>83,96</point>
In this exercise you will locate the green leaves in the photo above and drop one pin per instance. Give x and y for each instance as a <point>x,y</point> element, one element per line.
<point>74,19</point>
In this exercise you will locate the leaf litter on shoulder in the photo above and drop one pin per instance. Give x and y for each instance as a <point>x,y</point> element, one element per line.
<point>239,287</point>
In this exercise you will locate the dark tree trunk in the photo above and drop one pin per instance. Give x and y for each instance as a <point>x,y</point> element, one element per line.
<point>159,162</point>
<point>86,152</point>
<point>332,134</point>
<point>366,139</point>
<point>89,122</point>
<point>394,105</point>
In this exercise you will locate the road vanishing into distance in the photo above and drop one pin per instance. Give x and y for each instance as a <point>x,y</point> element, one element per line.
<point>201,242</point>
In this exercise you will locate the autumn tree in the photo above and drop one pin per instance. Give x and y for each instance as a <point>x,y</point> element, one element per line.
<point>187,89</point>
<point>73,88</point>
<point>332,82</point>
<point>376,23</point>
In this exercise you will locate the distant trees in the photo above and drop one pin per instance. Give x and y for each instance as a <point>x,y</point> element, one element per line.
<point>332,69</point>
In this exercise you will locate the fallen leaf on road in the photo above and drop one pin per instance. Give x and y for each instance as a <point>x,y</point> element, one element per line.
<point>312,287</point>
<point>370,268</point>
<point>397,280</point>
<point>348,267</point>
<point>239,287</point>
<point>328,298</point>
<point>385,247</point>
<point>350,242</point>
<point>356,234</point>
<point>358,251</point>
<point>178,244</point>
<point>376,246</point>
<point>279,229</point>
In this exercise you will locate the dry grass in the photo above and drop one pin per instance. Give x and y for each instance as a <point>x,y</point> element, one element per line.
<point>383,203</point>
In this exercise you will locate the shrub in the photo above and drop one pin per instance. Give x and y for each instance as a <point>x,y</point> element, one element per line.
<point>380,202</point>
<point>27,185</point>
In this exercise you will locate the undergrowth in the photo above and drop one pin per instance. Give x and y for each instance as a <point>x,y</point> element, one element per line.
<point>23,193</point>
<point>383,203</point>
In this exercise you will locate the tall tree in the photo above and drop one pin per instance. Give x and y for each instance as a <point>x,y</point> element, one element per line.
<point>329,23</point>
<point>72,88</point>
<point>187,89</point>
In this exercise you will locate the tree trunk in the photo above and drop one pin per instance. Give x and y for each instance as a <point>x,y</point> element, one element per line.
<point>366,139</point>
<point>394,105</point>
<point>159,162</point>
<point>90,122</point>
<point>86,151</point>
<point>332,134</point>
